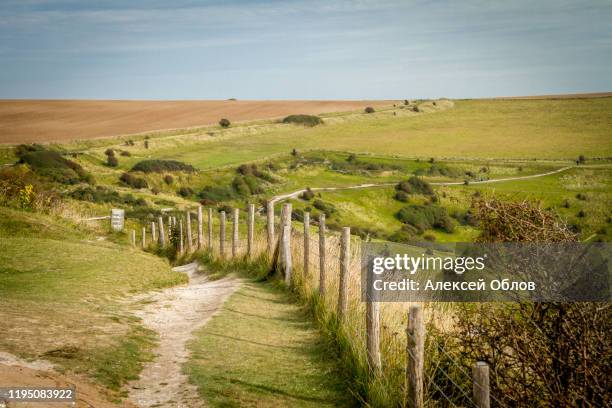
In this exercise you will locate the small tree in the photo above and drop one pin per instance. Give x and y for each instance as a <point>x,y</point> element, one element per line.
<point>224,123</point>
<point>369,109</point>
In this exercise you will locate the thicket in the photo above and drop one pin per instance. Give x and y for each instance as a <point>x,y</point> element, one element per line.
<point>161,166</point>
<point>101,194</point>
<point>305,120</point>
<point>414,185</point>
<point>424,217</point>
<point>133,181</point>
<point>52,165</point>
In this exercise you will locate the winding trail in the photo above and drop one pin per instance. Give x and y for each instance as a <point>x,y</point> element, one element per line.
<point>174,314</point>
<point>295,194</point>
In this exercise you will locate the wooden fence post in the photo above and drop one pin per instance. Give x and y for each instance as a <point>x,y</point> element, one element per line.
<point>322,255</point>
<point>188,236</point>
<point>235,229</point>
<point>306,243</point>
<point>144,237</point>
<point>345,259</point>
<point>210,228</point>
<point>286,243</point>
<point>153,234</point>
<point>162,238</point>
<point>416,348</point>
<point>250,230</point>
<point>373,334</point>
<point>134,238</point>
<point>270,227</point>
<point>222,234</point>
<point>200,232</point>
<point>181,242</point>
<point>480,387</point>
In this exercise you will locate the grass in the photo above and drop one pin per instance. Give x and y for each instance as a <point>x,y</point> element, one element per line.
<point>63,292</point>
<point>261,350</point>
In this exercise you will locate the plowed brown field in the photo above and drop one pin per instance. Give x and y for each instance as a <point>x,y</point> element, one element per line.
<point>24,121</point>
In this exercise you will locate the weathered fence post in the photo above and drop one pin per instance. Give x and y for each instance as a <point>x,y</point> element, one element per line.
<point>480,387</point>
<point>286,244</point>
<point>144,237</point>
<point>134,238</point>
<point>181,241</point>
<point>250,230</point>
<point>306,243</point>
<point>222,234</point>
<point>322,255</point>
<point>270,227</point>
<point>153,234</point>
<point>235,230</point>
<point>210,228</point>
<point>188,236</point>
<point>416,348</point>
<point>200,233</point>
<point>373,334</point>
<point>162,238</point>
<point>345,259</point>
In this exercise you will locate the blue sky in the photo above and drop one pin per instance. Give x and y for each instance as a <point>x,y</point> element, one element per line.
<point>328,49</point>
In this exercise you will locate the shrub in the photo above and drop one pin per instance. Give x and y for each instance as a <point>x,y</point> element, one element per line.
<point>307,195</point>
<point>369,109</point>
<point>581,214</point>
<point>581,159</point>
<point>155,190</point>
<point>424,217</point>
<point>125,153</point>
<point>104,195</point>
<point>112,161</point>
<point>54,166</point>
<point>402,196</point>
<point>415,185</point>
<point>146,144</point>
<point>294,152</point>
<point>327,208</point>
<point>161,166</point>
<point>168,179</point>
<point>406,102</point>
<point>132,181</point>
<point>224,123</point>
<point>581,197</point>
<point>215,194</point>
<point>305,120</point>
<point>351,158</point>
<point>184,192</point>
<point>109,152</point>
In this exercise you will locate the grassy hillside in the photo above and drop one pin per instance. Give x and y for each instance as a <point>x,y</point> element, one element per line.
<point>63,291</point>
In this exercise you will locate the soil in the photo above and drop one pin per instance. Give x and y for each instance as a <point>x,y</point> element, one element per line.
<point>27,121</point>
<point>175,313</point>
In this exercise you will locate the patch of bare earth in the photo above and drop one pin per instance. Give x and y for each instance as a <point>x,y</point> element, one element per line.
<point>15,372</point>
<point>26,121</point>
<point>175,313</point>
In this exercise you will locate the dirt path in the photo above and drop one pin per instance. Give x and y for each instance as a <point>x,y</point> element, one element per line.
<point>295,194</point>
<point>175,313</point>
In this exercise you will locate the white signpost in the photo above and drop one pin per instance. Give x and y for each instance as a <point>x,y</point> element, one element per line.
<point>117,219</point>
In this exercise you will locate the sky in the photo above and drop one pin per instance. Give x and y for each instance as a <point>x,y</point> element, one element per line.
<point>326,49</point>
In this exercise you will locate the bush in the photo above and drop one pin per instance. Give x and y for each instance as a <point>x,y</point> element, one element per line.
<point>132,181</point>
<point>402,196</point>
<point>104,195</point>
<point>307,195</point>
<point>125,153</point>
<point>109,152</point>
<point>112,161</point>
<point>155,190</point>
<point>415,185</point>
<point>185,192</point>
<point>369,109</point>
<point>216,194</point>
<point>581,197</point>
<point>327,208</point>
<point>54,166</point>
<point>224,123</point>
<point>168,179</point>
<point>146,144</point>
<point>424,217</point>
<point>161,166</point>
<point>581,159</point>
<point>305,120</point>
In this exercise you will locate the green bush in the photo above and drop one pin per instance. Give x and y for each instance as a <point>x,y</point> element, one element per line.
<point>54,166</point>
<point>424,217</point>
<point>216,194</point>
<point>185,192</point>
<point>402,196</point>
<point>112,161</point>
<point>327,208</point>
<point>133,181</point>
<point>415,185</point>
<point>305,120</point>
<point>161,166</point>
<point>104,195</point>
<point>307,195</point>
<point>168,179</point>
